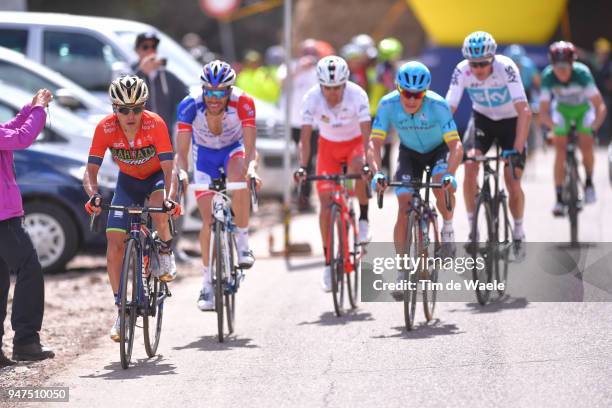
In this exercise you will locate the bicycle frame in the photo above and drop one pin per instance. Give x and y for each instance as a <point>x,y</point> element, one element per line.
<point>340,200</point>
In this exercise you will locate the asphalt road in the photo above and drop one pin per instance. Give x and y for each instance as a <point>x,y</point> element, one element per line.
<point>291,350</point>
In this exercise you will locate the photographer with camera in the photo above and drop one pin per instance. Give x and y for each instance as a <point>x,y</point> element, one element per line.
<point>166,90</point>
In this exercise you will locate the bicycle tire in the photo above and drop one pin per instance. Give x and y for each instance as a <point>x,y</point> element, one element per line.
<point>573,197</point>
<point>154,312</point>
<point>413,245</point>
<point>336,259</point>
<point>127,311</point>
<point>352,277</point>
<point>503,249</point>
<point>483,207</point>
<point>431,243</point>
<point>230,293</point>
<point>218,274</point>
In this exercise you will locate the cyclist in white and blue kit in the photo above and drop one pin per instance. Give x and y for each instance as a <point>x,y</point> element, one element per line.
<point>428,136</point>
<point>501,113</point>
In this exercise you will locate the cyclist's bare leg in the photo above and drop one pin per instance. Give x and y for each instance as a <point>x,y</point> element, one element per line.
<point>401,225</point>
<point>160,220</point>
<point>440,203</point>
<point>560,154</point>
<point>204,205</point>
<point>114,257</point>
<point>360,186</point>
<point>470,181</point>
<point>325,198</point>
<point>516,196</point>
<point>585,142</point>
<point>236,172</point>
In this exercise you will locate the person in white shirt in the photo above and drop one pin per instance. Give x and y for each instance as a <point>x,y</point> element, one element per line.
<point>501,113</point>
<point>341,110</point>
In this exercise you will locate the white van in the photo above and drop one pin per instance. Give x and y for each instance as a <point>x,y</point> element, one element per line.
<point>88,50</point>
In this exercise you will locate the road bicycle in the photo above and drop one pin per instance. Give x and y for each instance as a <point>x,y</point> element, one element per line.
<point>141,293</point>
<point>572,195</point>
<point>225,272</point>
<point>422,241</point>
<point>344,250</point>
<point>491,230</point>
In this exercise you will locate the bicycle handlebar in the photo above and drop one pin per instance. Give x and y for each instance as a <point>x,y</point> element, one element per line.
<point>415,185</point>
<point>94,219</point>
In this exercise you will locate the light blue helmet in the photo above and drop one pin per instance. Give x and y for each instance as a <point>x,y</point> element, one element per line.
<point>413,76</point>
<point>479,45</point>
<point>515,52</point>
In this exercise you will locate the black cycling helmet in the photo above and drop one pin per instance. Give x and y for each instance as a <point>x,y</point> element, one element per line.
<point>562,51</point>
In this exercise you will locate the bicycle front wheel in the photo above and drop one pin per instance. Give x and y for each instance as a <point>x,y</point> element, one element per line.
<point>352,277</point>
<point>431,246</point>
<point>572,199</point>
<point>128,302</point>
<point>413,247</point>
<point>483,244</point>
<point>218,274</point>
<point>336,248</point>
<point>232,285</point>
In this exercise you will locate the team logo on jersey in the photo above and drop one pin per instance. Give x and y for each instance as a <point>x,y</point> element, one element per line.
<point>134,157</point>
<point>248,109</point>
<point>325,118</point>
<point>511,73</point>
<point>455,77</point>
<point>491,97</point>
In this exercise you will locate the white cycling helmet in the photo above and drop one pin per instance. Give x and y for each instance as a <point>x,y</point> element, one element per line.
<point>332,71</point>
<point>128,90</point>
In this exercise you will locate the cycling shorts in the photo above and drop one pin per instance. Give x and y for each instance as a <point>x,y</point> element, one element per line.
<point>482,132</point>
<point>132,191</point>
<point>332,155</point>
<point>411,165</point>
<point>210,160</point>
<point>564,116</point>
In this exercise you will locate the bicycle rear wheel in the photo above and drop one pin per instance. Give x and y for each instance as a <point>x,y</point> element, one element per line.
<point>336,248</point>
<point>431,247</point>
<point>352,277</point>
<point>218,274</point>
<point>128,302</point>
<point>483,244</point>
<point>504,247</point>
<point>414,243</point>
<point>153,316</point>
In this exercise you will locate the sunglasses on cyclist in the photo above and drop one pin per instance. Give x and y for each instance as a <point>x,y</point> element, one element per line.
<point>562,65</point>
<point>414,95</point>
<point>216,93</point>
<point>124,110</point>
<point>480,64</point>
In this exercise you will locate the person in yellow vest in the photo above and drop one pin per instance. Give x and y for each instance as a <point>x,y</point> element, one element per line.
<point>389,53</point>
<point>257,80</point>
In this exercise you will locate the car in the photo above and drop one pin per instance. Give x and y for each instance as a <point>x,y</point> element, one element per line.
<point>49,175</point>
<point>88,50</point>
<point>18,71</point>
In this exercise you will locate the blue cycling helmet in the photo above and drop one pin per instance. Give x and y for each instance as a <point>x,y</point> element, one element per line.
<point>218,74</point>
<point>413,76</point>
<point>515,52</point>
<point>479,45</point>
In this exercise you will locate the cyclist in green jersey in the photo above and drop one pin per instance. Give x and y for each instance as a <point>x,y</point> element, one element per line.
<point>576,102</point>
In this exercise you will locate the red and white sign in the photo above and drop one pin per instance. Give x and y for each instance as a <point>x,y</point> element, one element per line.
<point>219,8</point>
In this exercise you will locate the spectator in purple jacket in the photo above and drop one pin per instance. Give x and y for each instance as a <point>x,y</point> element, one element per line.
<point>17,253</point>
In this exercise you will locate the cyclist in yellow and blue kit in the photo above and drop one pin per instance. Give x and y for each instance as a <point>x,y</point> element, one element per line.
<point>428,136</point>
